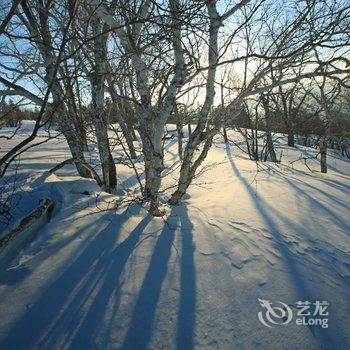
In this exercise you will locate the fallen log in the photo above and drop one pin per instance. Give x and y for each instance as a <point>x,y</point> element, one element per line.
<point>25,232</point>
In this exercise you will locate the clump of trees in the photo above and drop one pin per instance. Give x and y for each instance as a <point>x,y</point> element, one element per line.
<point>13,113</point>
<point>313,115</point>
<point>87,65</point>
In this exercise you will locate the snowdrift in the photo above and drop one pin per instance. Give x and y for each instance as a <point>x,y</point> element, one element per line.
<point>120,279</point>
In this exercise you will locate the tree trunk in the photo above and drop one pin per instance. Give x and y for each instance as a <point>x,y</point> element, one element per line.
<point>73,141</point>
<point>65,124</point>
<point>291,139</point>
<point>225,135</point>
<point>81,133</point>
<point>128,138</point>
<point>270,147</point>
<point>131,129</point>
<point>124,124</point>
<point>153,153</point>
<point>153,121</point>
<point>189,130</point>
<point>189,165</point>
<point>99,117</point>
<point>305,140</point>
<point>74,114</point>
<point>107,163</point>
<point>152,126</point>
<point>269,140</point>
<point>179,132</point>
<point>323,151</point>
<point>188,171</point>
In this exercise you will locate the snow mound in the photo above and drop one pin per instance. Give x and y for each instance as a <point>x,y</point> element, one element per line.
<point>85,186</point>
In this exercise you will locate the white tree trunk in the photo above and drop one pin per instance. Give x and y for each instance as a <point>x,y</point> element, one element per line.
<point>99,117</point>
<point>189,165</point>
<point>65,124</point>
<point>269,141</point>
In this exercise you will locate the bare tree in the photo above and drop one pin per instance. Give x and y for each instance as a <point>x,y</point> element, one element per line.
<point>34,18</point>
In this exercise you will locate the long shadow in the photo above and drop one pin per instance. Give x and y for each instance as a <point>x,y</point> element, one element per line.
<point>326,194</point>
<point>141,327</point>
<point>333,168</point>
<point>44,322</point>
<point>18,274</point>
<point>329,166</point>
<point>72,309</point>
<point>103,284</point>
<point>129,182</point>
<point>335,184</point>
<point>304,292</point>
<point>292,182</point>
<point>317,204</point>
<point>13,276</point>
<point>187,308</point>
<point>327,180</point>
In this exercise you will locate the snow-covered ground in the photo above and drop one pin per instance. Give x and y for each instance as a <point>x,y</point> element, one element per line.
<point>112,279</point>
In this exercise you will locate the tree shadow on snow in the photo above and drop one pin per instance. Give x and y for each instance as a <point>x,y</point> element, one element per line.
<point>304,291</point>
<point>58,311</point>
<point>71,311</point>
<point>140,330</point>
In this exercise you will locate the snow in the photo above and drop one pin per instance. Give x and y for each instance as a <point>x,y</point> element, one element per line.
<point>112,279</point>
